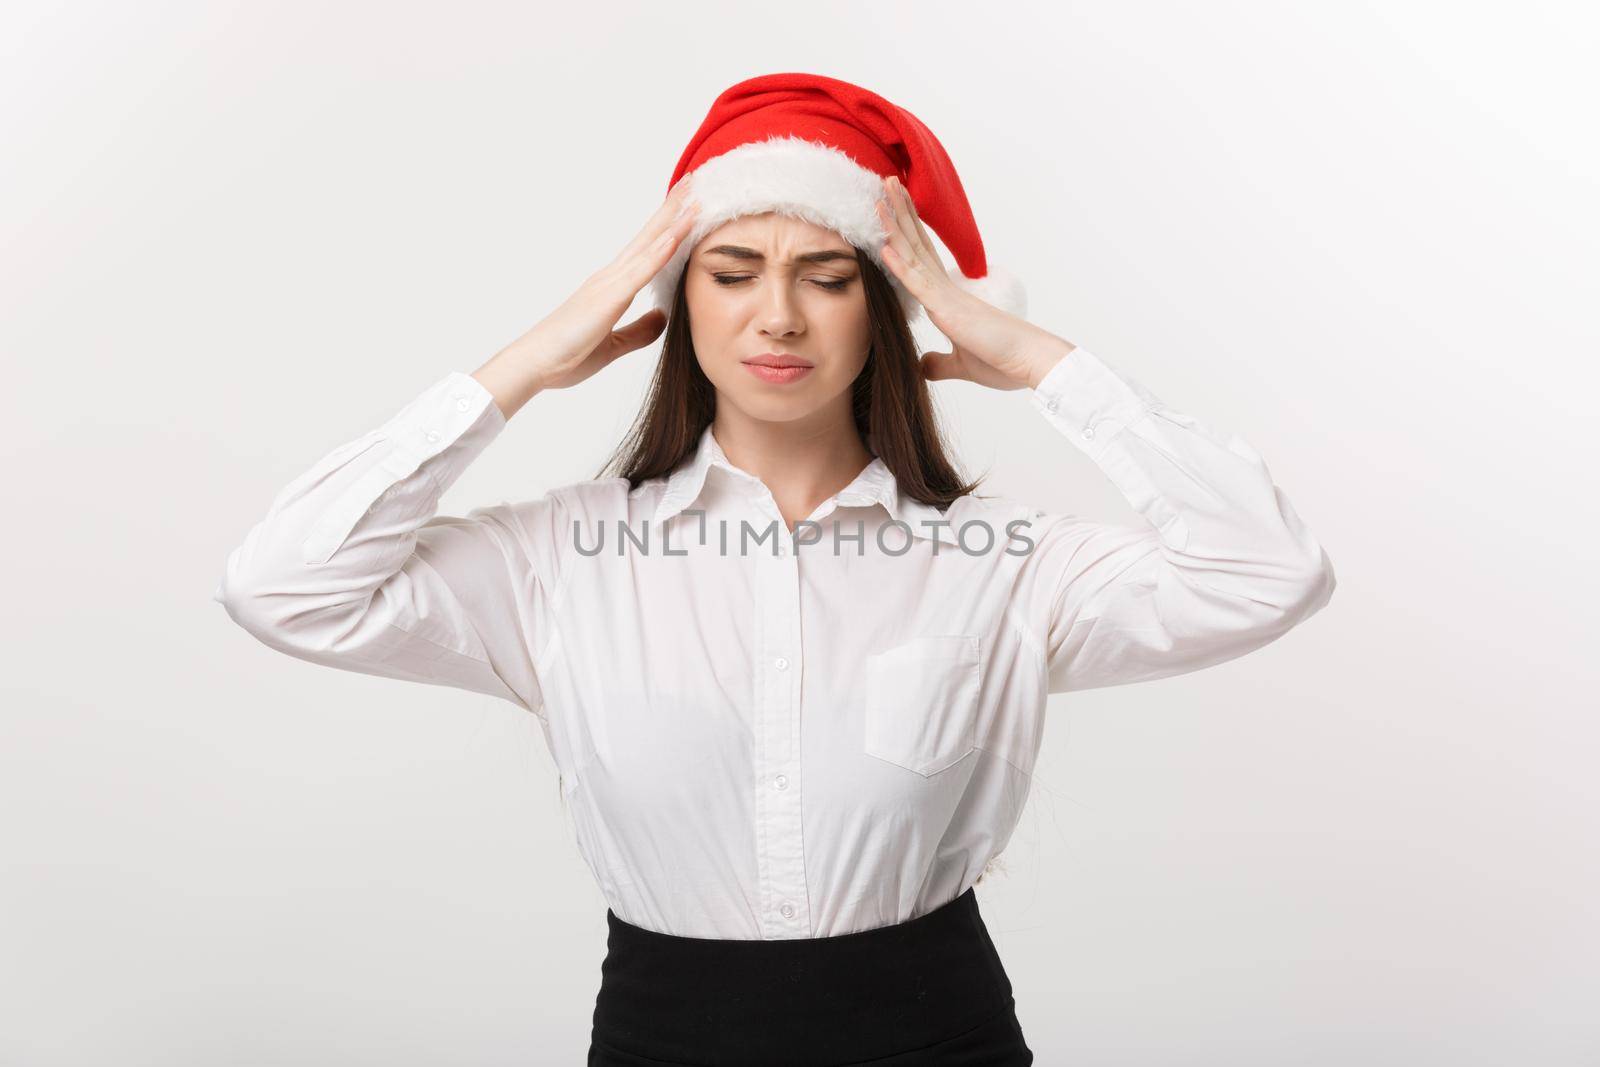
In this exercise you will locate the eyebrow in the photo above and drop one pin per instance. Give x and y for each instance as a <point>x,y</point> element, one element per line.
<point>740,252</point>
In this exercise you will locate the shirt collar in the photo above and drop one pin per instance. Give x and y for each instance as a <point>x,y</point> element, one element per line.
<point>874,485</point>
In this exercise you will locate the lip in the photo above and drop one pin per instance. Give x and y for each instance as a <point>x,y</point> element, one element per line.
<point>778,375</point>
<point>777,359</point>
<point>778,368</point>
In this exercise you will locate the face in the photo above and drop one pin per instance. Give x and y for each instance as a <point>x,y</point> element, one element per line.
<point>774,285</point>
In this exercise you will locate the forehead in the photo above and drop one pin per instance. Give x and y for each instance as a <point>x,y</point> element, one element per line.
<point>774,234</point>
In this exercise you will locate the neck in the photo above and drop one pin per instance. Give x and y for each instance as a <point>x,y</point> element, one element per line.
<point>802,462</point>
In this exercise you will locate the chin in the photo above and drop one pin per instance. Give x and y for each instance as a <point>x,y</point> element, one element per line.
<point>769,405</point>
<point>775,409</point>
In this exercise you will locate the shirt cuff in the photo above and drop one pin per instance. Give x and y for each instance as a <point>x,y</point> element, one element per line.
<point>427,427</point>
<point>1086,398</point>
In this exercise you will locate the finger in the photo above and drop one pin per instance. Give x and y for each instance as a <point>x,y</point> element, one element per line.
<point>910,208</point>
<point>638,263</point>
<point>895,244</point>
<point>941,366</point>
<point>897,215</point>
<point>905,211</point>
<point>928,255</point>
<point>638,333</point>
<point>673,209</point>
<point>911,276</point>
<point>657,254</point>
<point>911,242</point>
<point>670,210</point>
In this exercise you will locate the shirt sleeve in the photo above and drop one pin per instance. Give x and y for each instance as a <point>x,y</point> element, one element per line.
<point>353,568</point>
<point>1222,566</point>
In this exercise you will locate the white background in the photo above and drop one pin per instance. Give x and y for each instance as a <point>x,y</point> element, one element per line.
<point>1361,235</point>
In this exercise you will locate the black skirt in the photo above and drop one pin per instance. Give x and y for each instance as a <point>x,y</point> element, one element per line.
<point>928,991</point>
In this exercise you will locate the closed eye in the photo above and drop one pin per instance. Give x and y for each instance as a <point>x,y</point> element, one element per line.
<point>735,279</point>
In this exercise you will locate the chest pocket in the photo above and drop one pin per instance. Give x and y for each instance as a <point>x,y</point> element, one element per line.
<point>922,702</point>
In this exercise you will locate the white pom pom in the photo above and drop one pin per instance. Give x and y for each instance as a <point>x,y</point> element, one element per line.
<point>999,287</point>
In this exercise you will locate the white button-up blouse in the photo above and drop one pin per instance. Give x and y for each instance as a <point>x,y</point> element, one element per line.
<point>766,734</point>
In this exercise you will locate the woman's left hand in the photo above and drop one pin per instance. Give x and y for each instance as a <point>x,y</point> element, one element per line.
<point>989,346</point>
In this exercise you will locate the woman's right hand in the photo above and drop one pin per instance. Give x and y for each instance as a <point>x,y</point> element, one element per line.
<point>579,337</point>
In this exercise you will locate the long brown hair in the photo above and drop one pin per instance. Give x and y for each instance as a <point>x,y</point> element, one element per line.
<point>890,399</point>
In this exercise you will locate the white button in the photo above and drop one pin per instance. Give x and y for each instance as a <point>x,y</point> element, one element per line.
<point>781,663</point>
<point>788,910</point>
<point>1088,432</point>
<point>1050,405</point>
<point>433,435</point>
<point>462,403</point>
<point>782,781</point>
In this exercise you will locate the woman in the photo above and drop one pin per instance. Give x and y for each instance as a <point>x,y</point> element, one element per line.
<point>791,669</point>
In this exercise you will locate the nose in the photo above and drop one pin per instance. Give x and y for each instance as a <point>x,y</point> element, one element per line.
<point>780,311</point>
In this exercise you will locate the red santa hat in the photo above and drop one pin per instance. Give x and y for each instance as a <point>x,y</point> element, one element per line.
<point>817,149</point>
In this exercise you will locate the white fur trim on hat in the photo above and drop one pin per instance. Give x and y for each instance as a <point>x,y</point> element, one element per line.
<point>819,184</point>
